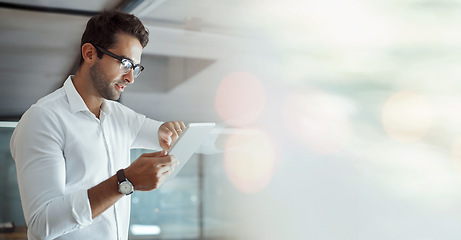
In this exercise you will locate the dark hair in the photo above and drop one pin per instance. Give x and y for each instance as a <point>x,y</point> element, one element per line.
<point>102,30</point>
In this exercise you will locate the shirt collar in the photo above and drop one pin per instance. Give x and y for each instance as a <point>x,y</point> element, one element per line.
<point>105,111</point>
<point>76,102</point>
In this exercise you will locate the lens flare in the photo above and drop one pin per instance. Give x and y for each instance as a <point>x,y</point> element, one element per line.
<point>456,154</point>
<point>319,119</point>
<point>249,160</point>
<point>407,116</point>
<point>240,99</point>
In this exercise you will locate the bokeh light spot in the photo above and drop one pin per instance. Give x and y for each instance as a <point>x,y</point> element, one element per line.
<point>240,99</point>
<point>456,154</point>
<point>407,116</point>
<point>249,160</point>
<point>319,119</point>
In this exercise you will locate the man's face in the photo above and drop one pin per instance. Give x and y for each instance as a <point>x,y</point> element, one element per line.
<point>105,74</point>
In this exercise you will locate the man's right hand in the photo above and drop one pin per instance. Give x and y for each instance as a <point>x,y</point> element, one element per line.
<point>150,170</point>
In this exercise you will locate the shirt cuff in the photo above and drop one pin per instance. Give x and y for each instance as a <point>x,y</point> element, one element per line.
<point>80,207</point>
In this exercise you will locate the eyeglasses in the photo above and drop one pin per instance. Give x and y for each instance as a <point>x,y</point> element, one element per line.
<point>126,64</point>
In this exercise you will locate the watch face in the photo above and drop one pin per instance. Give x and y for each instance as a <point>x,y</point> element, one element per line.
<point>125,188</point>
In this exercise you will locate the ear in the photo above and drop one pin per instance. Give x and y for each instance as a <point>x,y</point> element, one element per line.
<point>89,53</point>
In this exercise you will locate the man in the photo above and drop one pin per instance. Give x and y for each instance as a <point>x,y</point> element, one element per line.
<point>71,148</point>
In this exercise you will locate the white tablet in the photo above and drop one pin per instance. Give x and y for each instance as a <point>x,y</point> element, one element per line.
<point>188,142</point>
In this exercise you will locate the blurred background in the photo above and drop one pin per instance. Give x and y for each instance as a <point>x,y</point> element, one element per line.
<point>337,119</point>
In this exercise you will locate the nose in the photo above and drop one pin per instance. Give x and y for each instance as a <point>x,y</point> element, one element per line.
<point>128,77</point>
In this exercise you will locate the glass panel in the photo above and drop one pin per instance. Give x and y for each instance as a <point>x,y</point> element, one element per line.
<point>193,205</point>
<point>10,203</point>
<point>171,211</point>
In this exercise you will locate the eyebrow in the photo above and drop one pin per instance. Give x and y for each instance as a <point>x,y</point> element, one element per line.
<point>123,56</point>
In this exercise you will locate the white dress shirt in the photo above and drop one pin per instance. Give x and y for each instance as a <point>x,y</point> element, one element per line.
<point>61,150</point>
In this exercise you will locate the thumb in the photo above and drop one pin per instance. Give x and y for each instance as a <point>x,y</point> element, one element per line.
<point>166,136</point>
<point>166,133</point>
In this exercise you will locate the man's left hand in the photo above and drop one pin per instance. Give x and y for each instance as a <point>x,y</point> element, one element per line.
<point>168,133</point>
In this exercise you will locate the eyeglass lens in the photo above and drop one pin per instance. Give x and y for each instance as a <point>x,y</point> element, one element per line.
<point>126,66</point>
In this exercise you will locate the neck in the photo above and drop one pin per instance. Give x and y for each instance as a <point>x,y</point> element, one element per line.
<point>85,89</point>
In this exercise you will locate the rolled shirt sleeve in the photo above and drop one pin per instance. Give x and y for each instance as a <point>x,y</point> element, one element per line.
<point>36,146</point>
<point>81,208</point>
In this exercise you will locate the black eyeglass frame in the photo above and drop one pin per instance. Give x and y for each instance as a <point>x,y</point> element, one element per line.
<point>121,59</point>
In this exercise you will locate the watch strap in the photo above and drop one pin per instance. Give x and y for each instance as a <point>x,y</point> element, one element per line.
<point>123,182</point>
<point>121,176</point>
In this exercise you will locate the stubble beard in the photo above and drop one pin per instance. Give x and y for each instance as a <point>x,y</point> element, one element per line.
<point>102,84</point>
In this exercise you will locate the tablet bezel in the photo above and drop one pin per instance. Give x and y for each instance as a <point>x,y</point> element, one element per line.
<point>188,143</point>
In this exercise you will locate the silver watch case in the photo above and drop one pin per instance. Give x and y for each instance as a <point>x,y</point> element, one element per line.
<point>125,187</point>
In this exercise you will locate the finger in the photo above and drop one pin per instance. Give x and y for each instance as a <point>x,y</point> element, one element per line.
<point>164,145</point>
<point>165,140</point>
<point>167,173</point>
<point>163,153</point>
<point>169,170</point>
<point>165,137</point>
<point>183,127</point>
<point>172,128</point>
<point>165,132</point>
<point>174,138</point>
<point>163,170</point>
<point>166,160</point>
<point>170,125</point>
<point>154,154</point>
<point>177,126</point>
<point>161,180</point>
<point>172,164</point>
<point>175,135</point>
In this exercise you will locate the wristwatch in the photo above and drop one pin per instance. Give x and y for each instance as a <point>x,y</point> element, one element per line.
<point>124,186</point>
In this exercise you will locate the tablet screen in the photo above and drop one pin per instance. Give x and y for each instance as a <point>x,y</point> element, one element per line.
<point>188,143</point>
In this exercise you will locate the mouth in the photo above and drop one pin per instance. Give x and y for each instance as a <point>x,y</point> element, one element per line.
<point>120,87</point>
